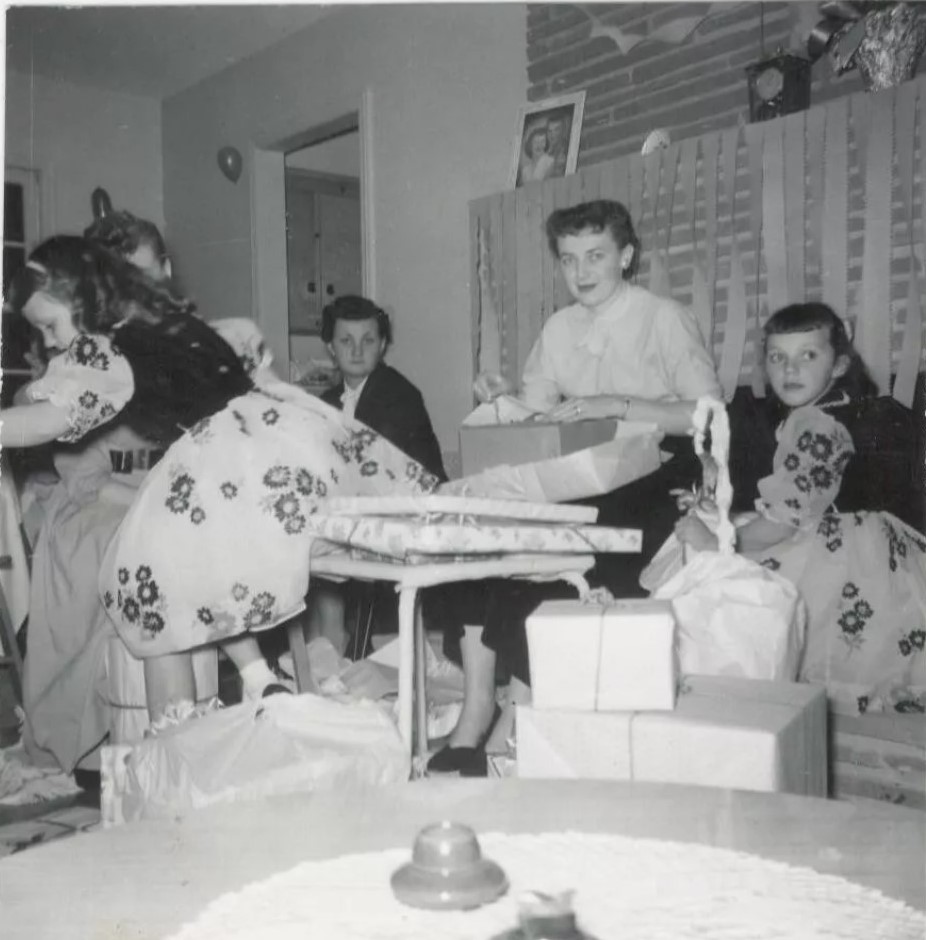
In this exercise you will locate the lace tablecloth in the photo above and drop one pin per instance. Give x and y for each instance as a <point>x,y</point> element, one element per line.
<point>625,887</point>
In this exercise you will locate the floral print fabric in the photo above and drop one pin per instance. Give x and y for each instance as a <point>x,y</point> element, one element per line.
<point>218,540</point>
<point>862,575</point>
<point>813,452</point>
<point>90,381</point>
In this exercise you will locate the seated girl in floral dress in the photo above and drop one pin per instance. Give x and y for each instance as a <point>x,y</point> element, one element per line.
<point>216,543</point>
<point>862,574</point>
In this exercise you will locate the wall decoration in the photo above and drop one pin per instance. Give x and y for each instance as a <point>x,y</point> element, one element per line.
<point>673,32</point>
<point>777,86</point>
<point>546,143</point>
<point>884,41</point>
<point>100,203</point>
<point>229,160</point>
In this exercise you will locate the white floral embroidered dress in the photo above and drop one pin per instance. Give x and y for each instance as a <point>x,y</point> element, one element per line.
<point>217,542</point>
<point>863,575</point>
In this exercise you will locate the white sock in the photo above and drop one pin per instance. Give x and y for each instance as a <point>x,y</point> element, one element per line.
<point>255,677</point>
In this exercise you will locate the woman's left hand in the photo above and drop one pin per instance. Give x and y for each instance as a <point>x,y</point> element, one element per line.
<point>690,530</point>
<point>583,409</point>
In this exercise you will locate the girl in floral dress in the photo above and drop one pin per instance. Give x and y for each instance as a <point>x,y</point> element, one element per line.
<point>862,574</point>
<point>217,541</point>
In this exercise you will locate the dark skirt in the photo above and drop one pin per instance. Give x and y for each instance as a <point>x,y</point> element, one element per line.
<point>645,504</point>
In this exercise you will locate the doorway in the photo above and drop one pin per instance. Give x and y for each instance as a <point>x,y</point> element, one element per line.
<point>324,249</point>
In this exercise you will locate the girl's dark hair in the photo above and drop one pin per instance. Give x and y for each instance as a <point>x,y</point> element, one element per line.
<point>352,307</point>
<point>598,216</point>
<point>856,381</point>
<point>183,370</point>
<point>123,234</point>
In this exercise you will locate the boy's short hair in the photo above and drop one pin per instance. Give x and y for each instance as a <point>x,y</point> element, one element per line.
<point>352,307</point>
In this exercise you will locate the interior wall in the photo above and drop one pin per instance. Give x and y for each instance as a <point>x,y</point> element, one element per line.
<point>79,138</point>
<point>447,82</point>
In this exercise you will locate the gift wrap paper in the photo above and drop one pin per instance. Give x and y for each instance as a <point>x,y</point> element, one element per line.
<point>611,658</point>
<point>555,462</point>
<point>735,733</point>
<point>493,445</point>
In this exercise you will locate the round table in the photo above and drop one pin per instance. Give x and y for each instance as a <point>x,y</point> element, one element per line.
<point>144,880</point>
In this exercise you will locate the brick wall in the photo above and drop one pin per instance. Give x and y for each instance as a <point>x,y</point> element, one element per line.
<point>689,87</point>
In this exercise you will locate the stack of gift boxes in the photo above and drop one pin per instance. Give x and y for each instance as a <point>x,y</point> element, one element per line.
<point>609,703</point>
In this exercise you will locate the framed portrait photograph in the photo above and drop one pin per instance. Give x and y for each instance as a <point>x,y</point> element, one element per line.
<point>546,143</point>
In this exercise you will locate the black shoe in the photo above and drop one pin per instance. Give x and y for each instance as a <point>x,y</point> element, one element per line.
<point>275,688</point>
<point>466,761</point>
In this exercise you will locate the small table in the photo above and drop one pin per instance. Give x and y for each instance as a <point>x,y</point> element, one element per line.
<point>409,577</point>
<point>146,879</point>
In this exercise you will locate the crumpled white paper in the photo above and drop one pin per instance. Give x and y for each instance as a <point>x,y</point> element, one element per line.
<point>281,744</point>
<point>736,618</point>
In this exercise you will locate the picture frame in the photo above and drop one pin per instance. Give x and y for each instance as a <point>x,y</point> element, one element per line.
<point>558,123</point>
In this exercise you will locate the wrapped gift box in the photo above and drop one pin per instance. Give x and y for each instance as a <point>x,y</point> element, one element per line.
<point>484,446</point>
<point>616,657</point>
<point>743,734</point>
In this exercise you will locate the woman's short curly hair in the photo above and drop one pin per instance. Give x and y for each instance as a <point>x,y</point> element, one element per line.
<point>599,215</point>
<point>123,234</point>
<point>352,307</point>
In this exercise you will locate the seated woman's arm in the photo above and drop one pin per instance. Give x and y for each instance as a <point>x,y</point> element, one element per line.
<point>31,425</point>
<point>672,417</point>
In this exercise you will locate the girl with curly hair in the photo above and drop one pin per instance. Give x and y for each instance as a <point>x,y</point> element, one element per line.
<point>216,544</point>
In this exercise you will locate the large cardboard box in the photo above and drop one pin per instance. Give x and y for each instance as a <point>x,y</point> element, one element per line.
<point>496,444</point>
<point>614,657</point>
<point>745,734</point>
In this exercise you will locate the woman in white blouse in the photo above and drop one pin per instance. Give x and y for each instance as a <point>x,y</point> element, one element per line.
<point>618,351</point>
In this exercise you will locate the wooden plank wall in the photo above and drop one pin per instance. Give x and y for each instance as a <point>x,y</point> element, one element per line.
<point>829,203</point>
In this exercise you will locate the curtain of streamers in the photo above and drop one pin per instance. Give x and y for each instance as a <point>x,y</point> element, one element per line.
<point>825,204</point>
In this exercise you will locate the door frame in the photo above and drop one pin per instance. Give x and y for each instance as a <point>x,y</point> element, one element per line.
<point>270,300</point>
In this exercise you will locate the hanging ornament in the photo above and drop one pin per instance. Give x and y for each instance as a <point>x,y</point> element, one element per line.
<point>229,160</point>
<point>100,203</point>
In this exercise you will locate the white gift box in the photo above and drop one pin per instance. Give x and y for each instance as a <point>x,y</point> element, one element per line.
<point>610,658</point>
<point>725,732</point>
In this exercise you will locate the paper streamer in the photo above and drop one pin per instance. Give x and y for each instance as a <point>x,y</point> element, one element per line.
<point>636,189</point>
<point>816,129</point>
<point>754,144</point>
<point>489,333</point>
<point>911,347</point>
<point>835,250</point>
<point>659,271</point>
<point>773,217</point>
<point>734,334</point>
<point>861,127</point>
<point>652,164</point>
<point>700,300</point>
<point>711,148</point>
<point>670,172</point>
<point>873,322</point>
<point>795,236</point>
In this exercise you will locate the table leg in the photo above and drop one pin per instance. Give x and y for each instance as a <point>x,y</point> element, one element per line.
<point>421,693</point>
<point>407,599</point>
<point>297,646</point>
